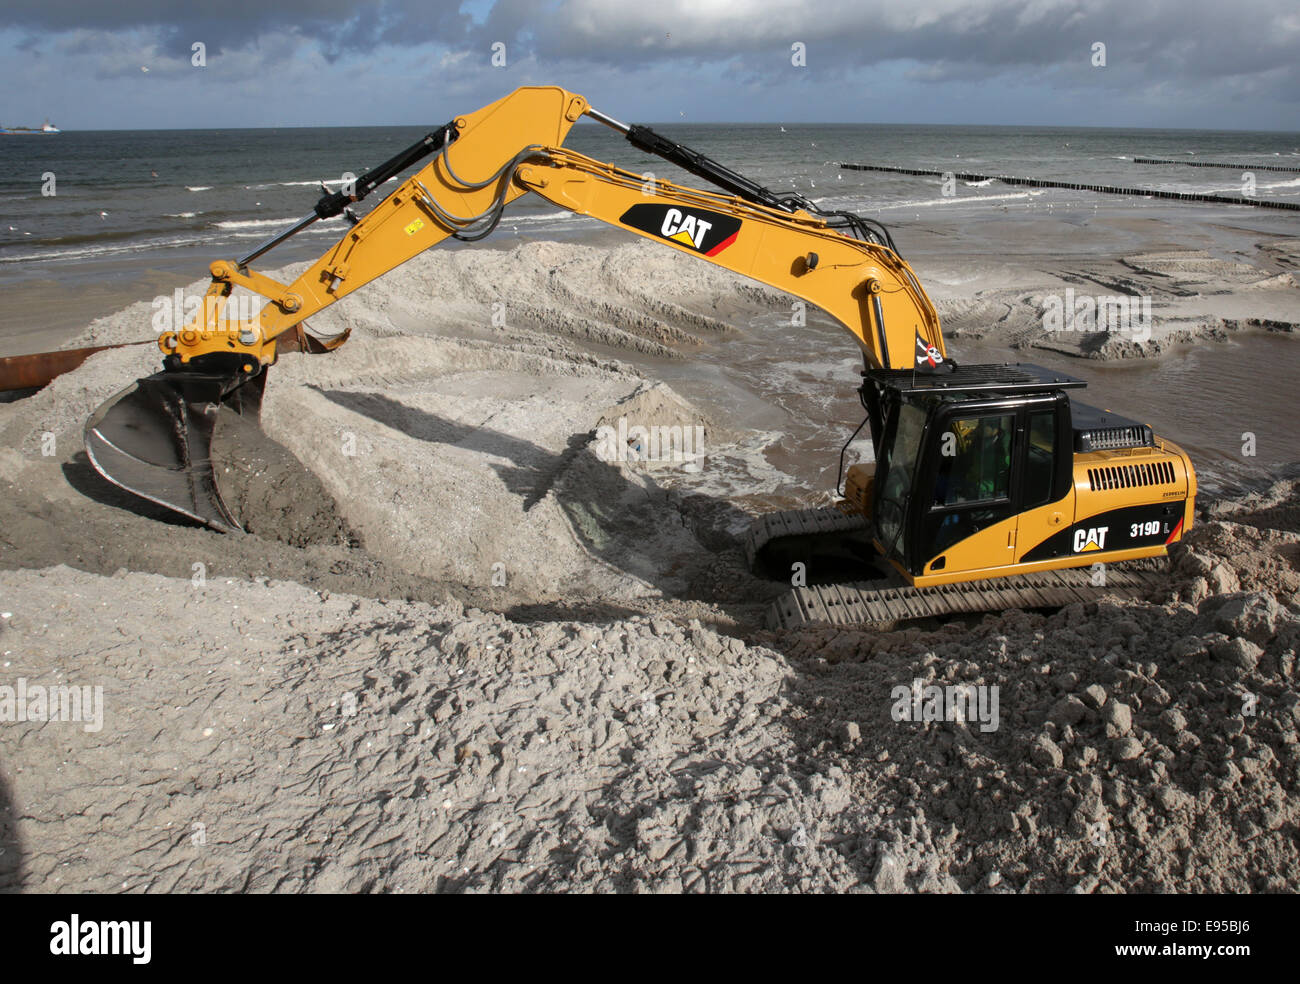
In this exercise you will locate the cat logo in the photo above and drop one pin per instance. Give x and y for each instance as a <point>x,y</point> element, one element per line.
<point>687,229</point>
<point>1090,539</point>
<point>698,230</point>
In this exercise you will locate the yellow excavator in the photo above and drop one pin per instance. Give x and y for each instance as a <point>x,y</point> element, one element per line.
<point>993,486</point>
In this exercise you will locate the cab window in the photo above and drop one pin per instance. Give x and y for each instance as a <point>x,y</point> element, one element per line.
<point>1041,458</point>
<point>975,461</point>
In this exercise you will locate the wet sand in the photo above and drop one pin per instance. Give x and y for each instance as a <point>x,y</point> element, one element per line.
<point>43,315</point>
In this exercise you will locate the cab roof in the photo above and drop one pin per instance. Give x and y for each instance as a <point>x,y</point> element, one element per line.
<point>1001,378</point>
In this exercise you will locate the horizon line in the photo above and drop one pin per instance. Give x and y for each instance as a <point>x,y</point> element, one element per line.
<point>661,123</point>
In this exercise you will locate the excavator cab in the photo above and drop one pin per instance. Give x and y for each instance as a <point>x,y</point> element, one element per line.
<point>955,465</point>
<point>961,456</point>
<point>1000,470</point>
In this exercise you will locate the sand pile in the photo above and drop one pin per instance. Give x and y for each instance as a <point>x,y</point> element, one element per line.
<point>333,742</point>
<point>1169,298</point>
<point>1196,271</point>
<point>636,297</point>
<point>1141,747</point>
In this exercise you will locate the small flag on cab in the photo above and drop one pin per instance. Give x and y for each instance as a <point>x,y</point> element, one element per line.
<point>928,358</point>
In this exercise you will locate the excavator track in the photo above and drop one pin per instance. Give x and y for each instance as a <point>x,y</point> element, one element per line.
<point>888,601</point>
<point>799,523</point>
<point>867,603</point>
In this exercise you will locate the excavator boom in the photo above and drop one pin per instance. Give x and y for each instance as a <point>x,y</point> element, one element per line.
<point>484,161</point>
<point>155,438</point>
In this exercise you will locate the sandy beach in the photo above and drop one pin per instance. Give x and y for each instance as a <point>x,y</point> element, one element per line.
<point>458,651</point>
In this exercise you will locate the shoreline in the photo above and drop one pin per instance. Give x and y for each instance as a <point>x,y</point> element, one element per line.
<point>45,302</point>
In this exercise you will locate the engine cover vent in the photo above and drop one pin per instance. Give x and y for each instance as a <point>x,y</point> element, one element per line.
<point>1131,476</point>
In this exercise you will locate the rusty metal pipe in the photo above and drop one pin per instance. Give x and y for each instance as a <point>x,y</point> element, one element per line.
<point>19,372</point>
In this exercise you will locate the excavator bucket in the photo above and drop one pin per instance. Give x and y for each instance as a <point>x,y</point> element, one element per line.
<point>155,439</point>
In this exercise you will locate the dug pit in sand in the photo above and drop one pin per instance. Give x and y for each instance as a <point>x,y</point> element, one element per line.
<point>477,465</point>
<point>268,490</point>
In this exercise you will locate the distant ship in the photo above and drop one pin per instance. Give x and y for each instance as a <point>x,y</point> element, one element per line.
<point>14,131</point>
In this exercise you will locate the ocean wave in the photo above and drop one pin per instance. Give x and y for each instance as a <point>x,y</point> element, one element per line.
<point>182,215</point>
<point>1229,189</point>
<point>87,252</point>
<point>256,223</point>
<point>314,230</point>
<point>302,184</point>
<point>198,187</point>
<point>287,184</point>
<point>959,200</point>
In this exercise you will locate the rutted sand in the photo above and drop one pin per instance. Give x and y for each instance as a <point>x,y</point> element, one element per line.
<point>262,736</point>
<point>1182,297</point>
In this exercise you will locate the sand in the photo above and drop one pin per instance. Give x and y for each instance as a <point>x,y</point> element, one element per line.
<point>262,736</point>
<point>1180,297</point>
<point>459,651</point>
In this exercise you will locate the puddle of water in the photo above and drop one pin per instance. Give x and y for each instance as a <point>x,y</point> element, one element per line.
<point>1206,397</point>
<point>800,383</point>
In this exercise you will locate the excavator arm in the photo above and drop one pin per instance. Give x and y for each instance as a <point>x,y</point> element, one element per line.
<point>490,158</point>
<point>154,439</point>
<point>430,206</point>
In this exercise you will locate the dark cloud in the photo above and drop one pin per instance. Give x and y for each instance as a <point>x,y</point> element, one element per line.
<point>340,26</point>
<point>1188,50</point>
<point>1197,38</point>
<point>1183,37</point>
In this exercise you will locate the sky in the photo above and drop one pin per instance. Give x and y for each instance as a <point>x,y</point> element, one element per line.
<point>133,64</point>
